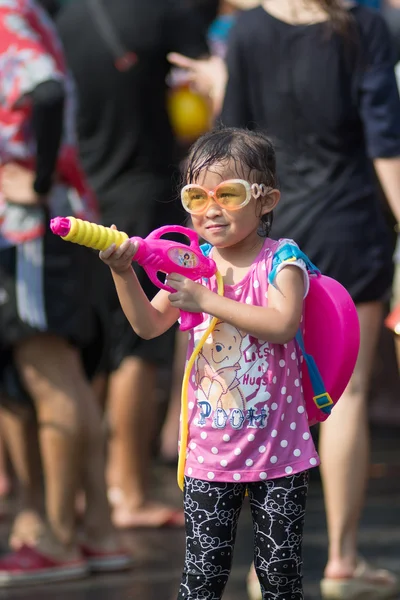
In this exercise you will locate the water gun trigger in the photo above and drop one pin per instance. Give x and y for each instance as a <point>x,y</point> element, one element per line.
<point>153,275</point>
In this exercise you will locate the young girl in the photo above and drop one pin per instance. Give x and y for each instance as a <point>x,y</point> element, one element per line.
<point>248,428</point>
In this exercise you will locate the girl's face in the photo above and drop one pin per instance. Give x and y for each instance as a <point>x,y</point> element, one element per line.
<point>227,228</point>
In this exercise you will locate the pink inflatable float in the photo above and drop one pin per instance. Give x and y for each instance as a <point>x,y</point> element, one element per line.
<point>330,339</point>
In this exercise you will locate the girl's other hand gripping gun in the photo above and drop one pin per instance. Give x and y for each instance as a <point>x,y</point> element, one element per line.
<point>154,254</point>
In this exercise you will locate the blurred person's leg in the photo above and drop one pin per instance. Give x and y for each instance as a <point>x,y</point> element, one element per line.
<point>345,454</point>
<point>49,370</point>
<point>137,207</point>
<point>131,420</point>
<point>21,439</point>
<point>71,442</point>
<point>384,408</point>
<point>131,408</point>
<point>5,482</point>
<point>97,526</point>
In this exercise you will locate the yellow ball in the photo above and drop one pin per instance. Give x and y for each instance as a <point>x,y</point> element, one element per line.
<point>189,113</point>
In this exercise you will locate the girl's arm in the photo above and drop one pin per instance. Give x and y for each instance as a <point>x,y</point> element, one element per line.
<point>278,323</point>
<point>148,319</point>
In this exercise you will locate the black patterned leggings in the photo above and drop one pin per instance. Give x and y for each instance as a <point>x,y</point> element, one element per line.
<point>212,511</point>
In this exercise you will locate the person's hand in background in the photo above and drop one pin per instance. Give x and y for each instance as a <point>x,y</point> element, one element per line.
<point>208,76</point>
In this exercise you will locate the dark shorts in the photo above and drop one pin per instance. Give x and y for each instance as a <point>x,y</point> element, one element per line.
<point>357,254</point>
<point>366,273</point>
<point>137,206</point>
<point>46,288</point>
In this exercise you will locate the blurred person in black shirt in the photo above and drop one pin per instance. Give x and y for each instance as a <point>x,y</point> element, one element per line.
<point>117,54</point>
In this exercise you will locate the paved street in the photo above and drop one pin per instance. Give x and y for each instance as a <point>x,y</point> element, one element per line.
<point>159,553</point>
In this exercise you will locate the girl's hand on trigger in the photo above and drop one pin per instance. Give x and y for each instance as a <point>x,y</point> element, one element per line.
<point>189,295</point>
<point>119,259</point>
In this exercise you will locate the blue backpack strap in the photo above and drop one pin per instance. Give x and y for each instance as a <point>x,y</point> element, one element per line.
<point>321,397</point>
<point>206,249</point>
<point>286,254</point>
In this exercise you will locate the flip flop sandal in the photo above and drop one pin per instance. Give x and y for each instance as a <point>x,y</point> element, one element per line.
<point>367,583</point>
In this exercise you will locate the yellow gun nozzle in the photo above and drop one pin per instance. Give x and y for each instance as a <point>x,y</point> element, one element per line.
<point>86,234</point>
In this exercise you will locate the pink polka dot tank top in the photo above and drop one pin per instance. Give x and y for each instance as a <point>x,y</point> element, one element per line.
<point>247,419</point>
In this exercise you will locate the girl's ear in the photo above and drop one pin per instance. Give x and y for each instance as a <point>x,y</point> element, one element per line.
<point>269,201</point>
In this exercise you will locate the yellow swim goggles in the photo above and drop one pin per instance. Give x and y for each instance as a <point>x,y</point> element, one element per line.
<point>231,194</point>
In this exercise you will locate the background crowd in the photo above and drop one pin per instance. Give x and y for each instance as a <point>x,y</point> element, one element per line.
<point>99,102</point>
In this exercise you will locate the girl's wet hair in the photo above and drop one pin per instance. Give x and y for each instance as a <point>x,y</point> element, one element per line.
<point>251,152</point>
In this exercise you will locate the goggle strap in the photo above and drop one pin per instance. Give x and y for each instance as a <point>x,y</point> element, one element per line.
<point>258,189</point>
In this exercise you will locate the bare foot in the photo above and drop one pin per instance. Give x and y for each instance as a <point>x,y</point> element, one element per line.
<point>340,569</point>
<point>150,515</point>
<point>362,568</point>
<point>366,579</point>
<point>30,529</point>
<point>26,529</point>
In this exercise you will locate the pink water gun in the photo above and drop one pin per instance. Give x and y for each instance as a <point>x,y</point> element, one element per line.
<point>154,254</point>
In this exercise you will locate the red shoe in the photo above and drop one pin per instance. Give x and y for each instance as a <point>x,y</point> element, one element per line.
<point>102,561</point>
<point>28,566</point>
